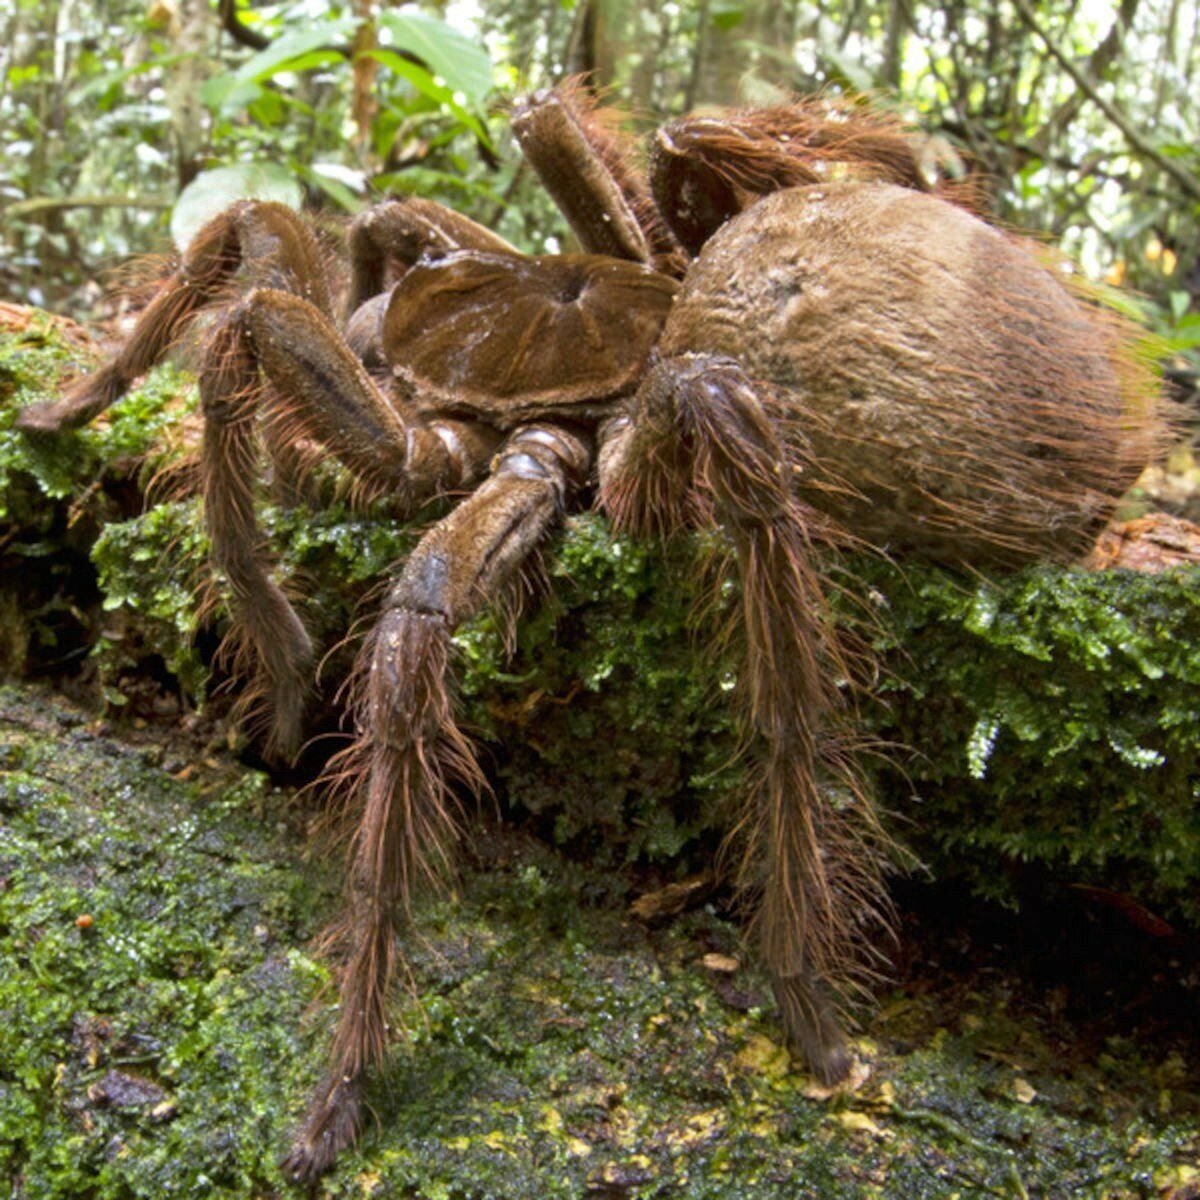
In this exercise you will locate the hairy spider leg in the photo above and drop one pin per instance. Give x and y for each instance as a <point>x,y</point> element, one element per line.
<point>706,168</point>
<point>409,752</point>
<point>269,241</point>
<point>279,357</point>
<point>696,446</point>
<point>393,235</point>
<point>587,165</point>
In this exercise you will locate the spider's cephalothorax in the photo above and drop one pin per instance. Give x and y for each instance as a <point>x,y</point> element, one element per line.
<point>787,329</point>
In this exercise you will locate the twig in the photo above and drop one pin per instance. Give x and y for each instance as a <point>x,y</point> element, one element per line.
<point>25,208</point>
<point>1182,176</point>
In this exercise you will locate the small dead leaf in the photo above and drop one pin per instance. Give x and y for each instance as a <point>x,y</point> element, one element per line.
<point>724,964</point>
<point>860,1072</point>
<point>859,1122</point>
<point>671,900</point>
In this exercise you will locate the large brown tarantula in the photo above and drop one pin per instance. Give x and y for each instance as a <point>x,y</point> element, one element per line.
<point>784,329</point>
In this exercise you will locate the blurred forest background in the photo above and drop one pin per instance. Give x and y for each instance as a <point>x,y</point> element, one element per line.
<point>125,123</point>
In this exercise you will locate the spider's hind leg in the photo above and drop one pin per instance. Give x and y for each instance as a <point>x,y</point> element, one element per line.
<point>698,446</point>
<point>400,771</point>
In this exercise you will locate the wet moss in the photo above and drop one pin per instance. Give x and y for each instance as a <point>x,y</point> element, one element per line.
<point>153,982</point>
<point>158,1035</point>
<point>1051,716</point>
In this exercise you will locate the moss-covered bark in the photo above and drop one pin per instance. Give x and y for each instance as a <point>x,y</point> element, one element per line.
<point>1050,718</point>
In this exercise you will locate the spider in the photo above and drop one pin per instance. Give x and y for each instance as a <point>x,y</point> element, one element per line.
<point>782,327</point>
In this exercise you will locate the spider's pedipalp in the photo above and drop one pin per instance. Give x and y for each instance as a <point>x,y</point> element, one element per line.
<point>401,771</point>
<point>587,166</point>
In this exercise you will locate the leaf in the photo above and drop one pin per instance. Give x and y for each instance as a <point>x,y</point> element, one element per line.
<point>337,182</point>
<point>211,191</point>
<point>425,83</point>
<point>225,95</point>
<point>461,64</point>
<point>315,46</point>
<point>100,84</point>
<point>726,15</point>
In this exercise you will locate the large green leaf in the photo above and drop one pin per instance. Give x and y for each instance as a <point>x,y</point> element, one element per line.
<point>462,65</point>
<point>314,45</point>
<point>427,85</point>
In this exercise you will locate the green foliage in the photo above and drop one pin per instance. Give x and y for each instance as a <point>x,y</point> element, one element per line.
<point>31,365</point>
<point>147,970</point>
<point>56,495</point>
<point>1050,719</point>
<point>429,75</point>
<point>1054,718</point>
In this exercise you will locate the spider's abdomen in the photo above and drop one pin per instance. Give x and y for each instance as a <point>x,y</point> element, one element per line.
<point>938,385</point>
<point>511,339</point>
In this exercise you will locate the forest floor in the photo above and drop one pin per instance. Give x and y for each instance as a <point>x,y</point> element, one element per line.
<point>163,1015</point>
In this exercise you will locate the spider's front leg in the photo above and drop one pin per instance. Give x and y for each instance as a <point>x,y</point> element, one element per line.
<point>697,446</point>
<point>277,357</point>
<point>408,752</point>
<point>269,242</point>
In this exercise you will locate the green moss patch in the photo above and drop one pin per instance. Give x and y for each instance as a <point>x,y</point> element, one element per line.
<point>158,1033</point>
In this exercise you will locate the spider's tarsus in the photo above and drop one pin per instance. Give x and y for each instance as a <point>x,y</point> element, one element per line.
<point>330,1125</point>
<point>85,399</point>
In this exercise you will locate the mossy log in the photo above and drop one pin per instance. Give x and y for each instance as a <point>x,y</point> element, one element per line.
<point>1042,726</point>
<point>156,901</point>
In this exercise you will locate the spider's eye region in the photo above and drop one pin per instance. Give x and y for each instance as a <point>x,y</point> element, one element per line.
<point>572,288</point>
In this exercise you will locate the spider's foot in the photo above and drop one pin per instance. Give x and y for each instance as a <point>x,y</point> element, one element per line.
<point>48,417</point>
<point>285,736</point>
<point>813,1029</point>
<point>329,1127</point>
<point>85,399</point>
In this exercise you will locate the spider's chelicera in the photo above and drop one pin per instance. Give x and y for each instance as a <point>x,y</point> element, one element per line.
<point>783,327</point>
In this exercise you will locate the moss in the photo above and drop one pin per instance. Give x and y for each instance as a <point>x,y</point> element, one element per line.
<point>1052,715</point>
<point>154,930</point>
<point>152,983</point>
<point>33,363</point>
<point>56,494</point>
<point>1056,718</point>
